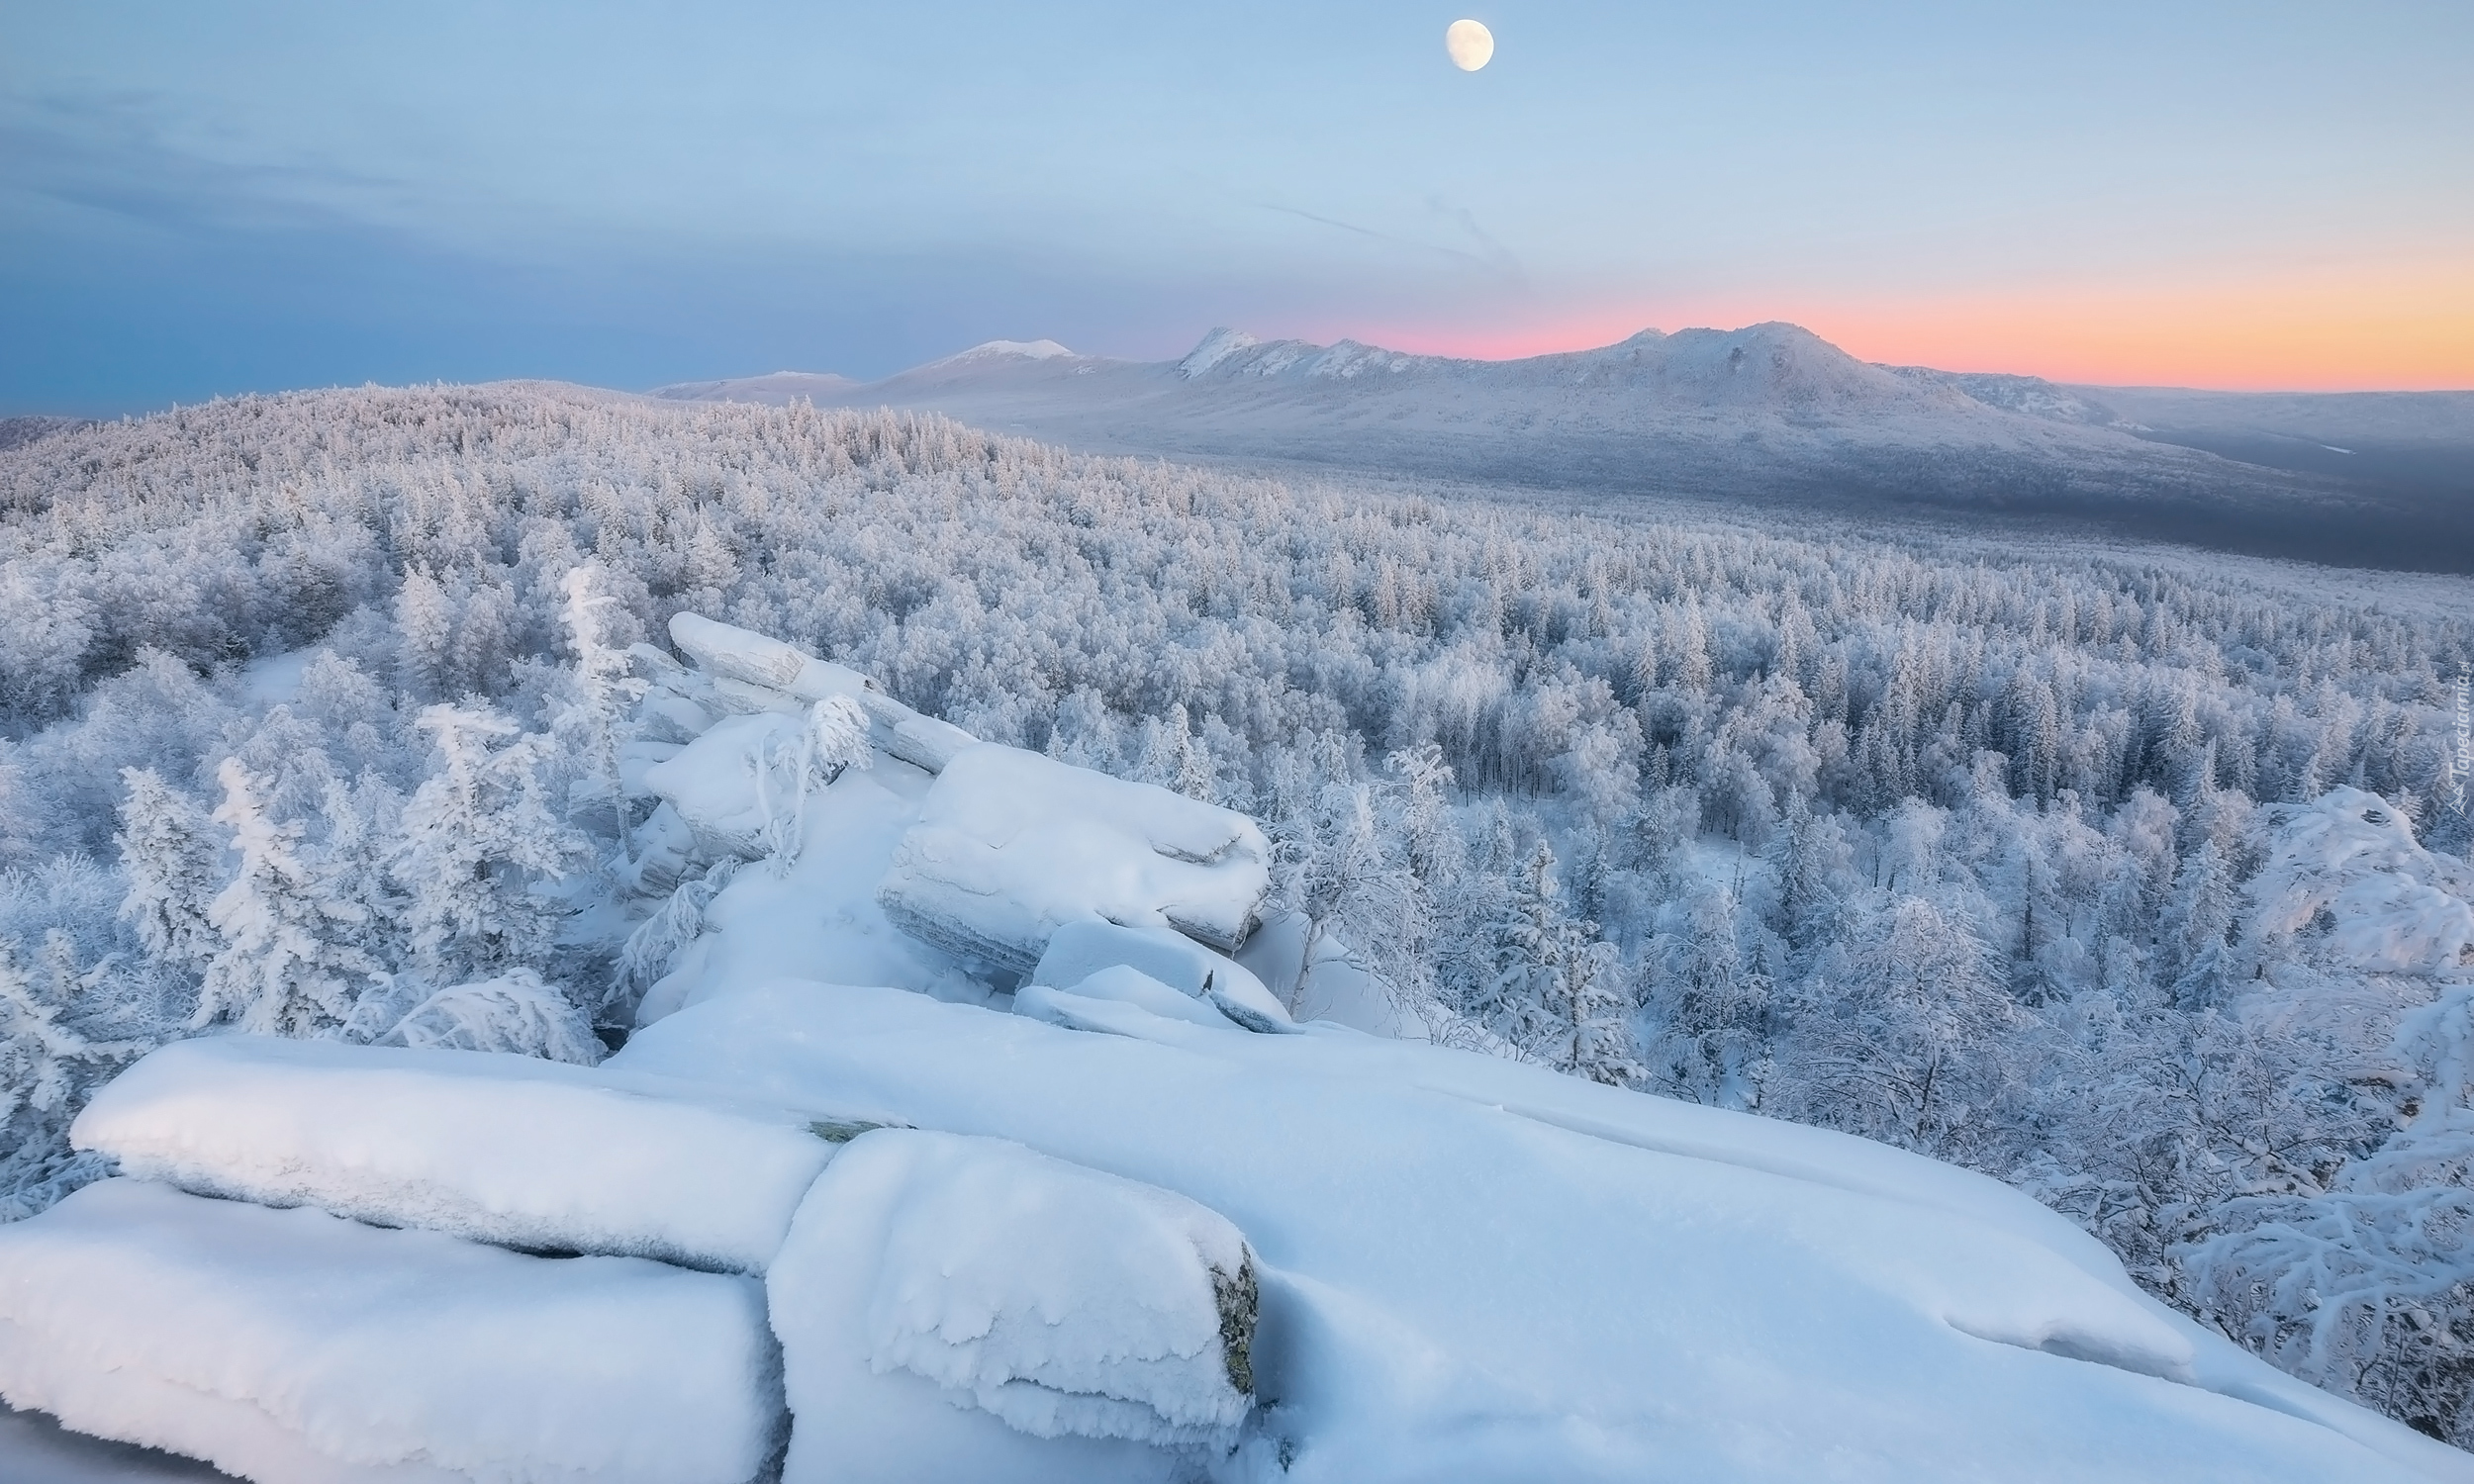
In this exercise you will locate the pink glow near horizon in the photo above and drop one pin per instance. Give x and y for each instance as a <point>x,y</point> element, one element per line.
<point>2412,329</point>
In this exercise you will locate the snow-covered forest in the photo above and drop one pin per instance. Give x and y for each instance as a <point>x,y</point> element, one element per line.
<point>2137,884</point>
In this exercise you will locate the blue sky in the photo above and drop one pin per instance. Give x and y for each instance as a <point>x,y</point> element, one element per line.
<point>202,199</point>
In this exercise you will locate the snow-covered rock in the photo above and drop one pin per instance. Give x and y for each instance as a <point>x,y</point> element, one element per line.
<point>1079,949</point>
<point>1010,845</point>
<point>1480,1270</point>
<point>298,1348</point>
<point>726,652</point>
<point>501,1148</point>
<point>1083,1005</point>
<point>1275,953</point>
<point>749,673</point>
<point>820,918</point>
<point>2346,877</point>
<point>724,784</point>
<point>1080,1310</point>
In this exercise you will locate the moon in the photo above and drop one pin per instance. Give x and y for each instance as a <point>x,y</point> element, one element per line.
<point>1472,46</point>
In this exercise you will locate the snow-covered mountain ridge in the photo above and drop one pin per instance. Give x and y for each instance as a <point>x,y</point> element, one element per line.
<point>1452,1264</point>
<point>1768,410</point>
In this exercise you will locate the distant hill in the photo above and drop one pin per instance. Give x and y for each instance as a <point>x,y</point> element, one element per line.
<point>16,432</point>
<point>1768,412</point>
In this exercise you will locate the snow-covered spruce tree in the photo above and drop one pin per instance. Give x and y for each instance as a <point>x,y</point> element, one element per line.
<point>1709,1018</point>
<point>1168,755</point>
<point>2197,923</point>
<point>1330,860</point>
<point>425,626</point>
<point>591,720</point>
<point>1414,799</point>
<point>17,821</point>
<point>477,836</point>
<point>363,821</point>
<point>47,1066</point>
<point>289,963</point>
<point>1554,991</point>
<point>172,860</point>
<point>1807,857</point>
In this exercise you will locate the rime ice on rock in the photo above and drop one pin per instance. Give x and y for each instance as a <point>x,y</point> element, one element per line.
<point>1011,846</point>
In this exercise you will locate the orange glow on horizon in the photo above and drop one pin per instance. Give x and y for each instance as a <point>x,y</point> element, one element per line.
<point>2408,331</point>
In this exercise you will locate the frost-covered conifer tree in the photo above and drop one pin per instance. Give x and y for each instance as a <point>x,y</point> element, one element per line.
<point>287,964</point>
<point>2197,923</point>
<point>1554,990</point>
<point>364,823</point>
<point>1806,857</point>
<point>592,719</point>
<point>170,859</point>
<point>1435,935</point>
<point>47,1067</point>
<point>425,624</point>
<point>1192,775</point>
<point>1709,1016</point>
<point>17,821</point>
<point>478,834</point>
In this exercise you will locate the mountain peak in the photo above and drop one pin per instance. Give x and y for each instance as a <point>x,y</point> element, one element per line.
<point>1215,347</point>
<point>1029,350</point>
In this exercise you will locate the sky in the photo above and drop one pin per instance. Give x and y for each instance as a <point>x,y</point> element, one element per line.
<point>198,200</point>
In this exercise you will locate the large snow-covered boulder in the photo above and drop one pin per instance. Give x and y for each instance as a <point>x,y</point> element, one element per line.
<point>819,919</point>
<point>501,1148</point>
<point>1484,1271</point>
<point>728,783</point>
<point>1010,845</point>
<point>751,673</point>
<point>298,1348</point>
<point>1075,1315</point>
<point>2345,878</point>
<point>1079,949</point>
<point>1096,1001</point>
<point>727,652</point>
